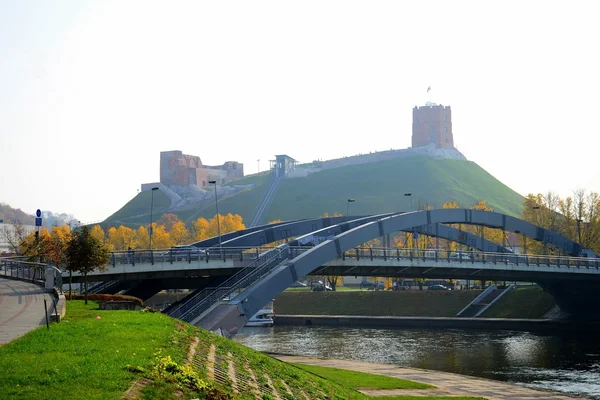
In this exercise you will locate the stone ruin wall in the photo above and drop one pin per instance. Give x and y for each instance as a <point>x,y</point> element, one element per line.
<point>178,169</point>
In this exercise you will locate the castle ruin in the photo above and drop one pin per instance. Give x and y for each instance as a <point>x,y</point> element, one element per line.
<point>178,169</point>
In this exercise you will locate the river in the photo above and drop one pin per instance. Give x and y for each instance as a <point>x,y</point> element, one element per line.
<point>569,363</point>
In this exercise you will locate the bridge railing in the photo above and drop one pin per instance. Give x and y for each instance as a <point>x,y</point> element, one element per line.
<point>444,255</point>
<point>228,290</point>
<point>133,257</point>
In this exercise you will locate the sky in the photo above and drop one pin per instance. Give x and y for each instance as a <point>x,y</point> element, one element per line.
<point>92,91</point>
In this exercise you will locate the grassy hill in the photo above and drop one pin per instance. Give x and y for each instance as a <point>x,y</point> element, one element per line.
<point>376,187</point>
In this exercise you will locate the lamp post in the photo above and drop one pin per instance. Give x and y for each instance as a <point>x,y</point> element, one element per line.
<point>258,165</point>
<point>579,221</point>
<point>409,195</point>
<point>151,207</point>
<point>348,206</point>
<point>218,222</point>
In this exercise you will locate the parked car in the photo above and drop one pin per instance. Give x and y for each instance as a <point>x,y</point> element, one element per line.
<point>319,286</point>
<point>372,285</point>
<point>460,256</point>
<point>439,287</point>
<point>298,284</point>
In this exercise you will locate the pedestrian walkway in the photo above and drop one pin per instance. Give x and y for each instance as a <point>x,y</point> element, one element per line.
<point>21,308</point>
<point>447,384</point>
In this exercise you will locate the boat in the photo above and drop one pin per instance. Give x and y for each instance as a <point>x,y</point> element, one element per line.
<point>263,318</point>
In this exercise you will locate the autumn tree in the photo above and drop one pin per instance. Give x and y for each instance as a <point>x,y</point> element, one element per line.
<point>142,239</point>
<point>121,238</point>
<point>84,254</point>
<point>168,221</point>
<point>179,234</point>
<point>55,245</point>
<point>575,217</point>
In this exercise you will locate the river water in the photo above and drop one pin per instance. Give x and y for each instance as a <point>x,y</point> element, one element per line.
<point>568,363</point>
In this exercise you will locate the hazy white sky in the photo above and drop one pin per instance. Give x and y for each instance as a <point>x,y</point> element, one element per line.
<point>92,91</point>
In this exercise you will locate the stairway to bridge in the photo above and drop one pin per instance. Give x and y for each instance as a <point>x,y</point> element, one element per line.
<point>206,307</point>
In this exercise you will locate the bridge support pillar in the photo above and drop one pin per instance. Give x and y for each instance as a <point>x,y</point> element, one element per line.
<point>580,299</point>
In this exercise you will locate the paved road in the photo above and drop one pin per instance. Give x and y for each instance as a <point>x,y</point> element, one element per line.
<point>447,384</point>
<point>21,308</point>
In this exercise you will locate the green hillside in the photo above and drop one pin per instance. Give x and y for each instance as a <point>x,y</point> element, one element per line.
<point>376,187</point>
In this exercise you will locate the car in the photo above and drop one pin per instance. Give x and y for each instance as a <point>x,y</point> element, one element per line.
<point>372,285</point>
<point>460,256</point>
<point>319,286</point>
<point>298,284</point>
<point>439,287</point>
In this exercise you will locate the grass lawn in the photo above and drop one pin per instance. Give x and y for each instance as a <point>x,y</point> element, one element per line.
<point>84,357</point>
<point>361,380</point>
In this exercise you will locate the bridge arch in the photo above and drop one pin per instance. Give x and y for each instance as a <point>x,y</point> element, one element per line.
<point>325,227</point>
<point>259,293</point>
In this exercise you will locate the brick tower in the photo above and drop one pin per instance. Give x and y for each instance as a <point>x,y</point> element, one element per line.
<point>432,123</point>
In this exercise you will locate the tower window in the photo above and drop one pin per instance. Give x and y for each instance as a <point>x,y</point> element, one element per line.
<point>445,129</point>
<point>446,140</point>
<point>431,129</point>
<point>432,139</point>
<point>445,118</point>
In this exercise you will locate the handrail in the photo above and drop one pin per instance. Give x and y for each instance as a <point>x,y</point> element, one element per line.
<point>204,300</point>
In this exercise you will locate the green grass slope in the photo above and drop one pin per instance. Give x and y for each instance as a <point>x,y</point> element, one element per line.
<point>97,354</point>
<point>521,303</point>
<point>409,303</point>
<point>380,187</point>
<point>376,187</point>
<point>137,211</point>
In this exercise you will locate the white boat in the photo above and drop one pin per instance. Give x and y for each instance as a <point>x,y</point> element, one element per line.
<point>262,318</point>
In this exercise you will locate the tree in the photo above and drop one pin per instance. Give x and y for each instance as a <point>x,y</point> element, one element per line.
<point>14,234</point>
<point>168,221</point>
<point>55,245</point>
<point>179,234</point>
<point>121,238</point>
<point>142,238</point>
<point>200,229</point>
<point>86,253</point>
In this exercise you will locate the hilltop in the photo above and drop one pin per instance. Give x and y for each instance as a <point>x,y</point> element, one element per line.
<point>376,187</point>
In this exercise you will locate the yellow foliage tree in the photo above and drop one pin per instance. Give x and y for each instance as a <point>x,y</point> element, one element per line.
<point>142,239</point>
<point>179,234</point>
<point>121,238</point>
<point>200,229</point>
<point>160,237</point>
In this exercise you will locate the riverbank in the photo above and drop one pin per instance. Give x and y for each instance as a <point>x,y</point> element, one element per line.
<point>447,384</point>
<point>356,321</point>
<point>529,303</point>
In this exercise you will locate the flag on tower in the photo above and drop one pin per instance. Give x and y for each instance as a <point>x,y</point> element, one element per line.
<point>428,89</point>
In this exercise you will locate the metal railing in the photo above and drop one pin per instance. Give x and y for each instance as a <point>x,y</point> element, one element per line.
<point>207,298</point>
<point>17,268</point>
<point>443,255</point>
<point>133,257</point>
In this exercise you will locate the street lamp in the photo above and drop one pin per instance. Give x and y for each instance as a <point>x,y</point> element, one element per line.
<point>218,222</point>
<point>151,207</point>
<point>579,221</point>
<point>348,206</point>
<point>258,166</point>
<point>409,195</point>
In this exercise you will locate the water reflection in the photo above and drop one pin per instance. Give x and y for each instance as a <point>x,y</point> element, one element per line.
<point>568,363</point>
